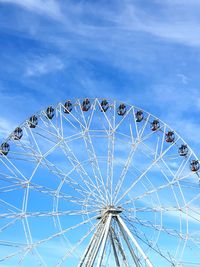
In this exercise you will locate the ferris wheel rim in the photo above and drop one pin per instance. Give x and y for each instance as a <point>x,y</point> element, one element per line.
<point>41,113</point>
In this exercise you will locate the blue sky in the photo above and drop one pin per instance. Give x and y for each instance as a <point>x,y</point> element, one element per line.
<point>144,52</point>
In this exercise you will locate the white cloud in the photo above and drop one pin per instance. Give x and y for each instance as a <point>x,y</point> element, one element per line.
<point>6,127</point>
<point>183,78</point>
<point>173,3</point>
<point>44,7</point>
<point>184,32</point>
<point>177,21</point>
<point>41,66</point>
<point>178,99</point>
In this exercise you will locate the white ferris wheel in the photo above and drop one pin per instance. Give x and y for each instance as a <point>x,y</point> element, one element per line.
<point>96,182</point>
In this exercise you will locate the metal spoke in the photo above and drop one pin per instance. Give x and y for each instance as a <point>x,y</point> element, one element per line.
<point>103,176</point>
<point>143,174</point>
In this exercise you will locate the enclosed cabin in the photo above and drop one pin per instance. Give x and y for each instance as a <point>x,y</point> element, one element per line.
<point>139,116</point>
<point>18,133</point>
<point>4,149</point>
<point>170,137</point>
<point>50,113</point>
<point>33,121</point>
<point>194,165</point>
<point>104,105</point>
<point>86,105</point>
<point>183,150</point>
<point>121,110</point>
<point>155,125</point>
<point>68,107</point>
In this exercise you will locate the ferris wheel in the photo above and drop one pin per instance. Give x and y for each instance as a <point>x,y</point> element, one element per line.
<point>96,182</point>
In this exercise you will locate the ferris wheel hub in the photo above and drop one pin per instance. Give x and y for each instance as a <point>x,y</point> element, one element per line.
<point>110,209</point>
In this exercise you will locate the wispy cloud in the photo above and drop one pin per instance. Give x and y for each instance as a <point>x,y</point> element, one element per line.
<point>43,7</point>
<point>5,127</point>
<point>183,78</point>
<point>174,20</point>
<point>43,65</point>
<point>147,55</point>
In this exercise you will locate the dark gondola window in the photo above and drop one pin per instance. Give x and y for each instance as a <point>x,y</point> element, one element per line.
<point>139,116</point>
<point>104,105</point>
<point>33,121</point>
<point>183,150</point>
<point>86,105</point>
<point>68,107</point>
<point>5,148</point>
<point>18,133</point>
<point>170,137</point>
<point>194,165</point>
<point>50,112</point>
<point>121,110</point>
<point>155,125</point>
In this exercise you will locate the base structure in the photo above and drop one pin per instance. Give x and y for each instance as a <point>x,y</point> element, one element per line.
<point>113,230</point>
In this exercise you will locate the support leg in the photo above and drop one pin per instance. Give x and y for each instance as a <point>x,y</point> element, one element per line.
<point>101,253</point>
<point>114,250</point>
<point>135,259</point>
<point>91,244</point>
<point>115,238</point>
<point>96,247</point>
<point>123,225</point>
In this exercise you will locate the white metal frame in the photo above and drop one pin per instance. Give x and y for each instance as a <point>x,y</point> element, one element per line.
<point>93,190</point>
